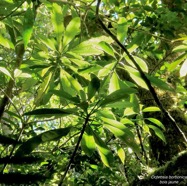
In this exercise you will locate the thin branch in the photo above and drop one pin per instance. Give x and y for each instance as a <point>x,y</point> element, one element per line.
<point>75,150</point>
<point>141,142</point>
<point>143,76</point>
<point>12,11</point>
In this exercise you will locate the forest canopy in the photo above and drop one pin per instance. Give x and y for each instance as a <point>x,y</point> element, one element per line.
<point>93,92</point>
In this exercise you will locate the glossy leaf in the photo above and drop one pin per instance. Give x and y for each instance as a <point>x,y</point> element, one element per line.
<point>43,88</point>
<point>63,94</point>
<point>107,48</point>
<point>151,109</point>
<point>71,31</point>
<point>156,122</point>
<point>6,42</point>
<point>28,26</point>
<point>135,75</point>
<point>122,132</point>
<point>88,142</point>
<point>31,144</point>
<point>121,154</point>
<point>91,47</point>
<point>103,150</point>
<point>117,95</point>
<point>5,71</point>
<point>57,18</point>
<point>158,132</point>
<point>114,83</point>
<point>159,83</point>
<point>183,69</point>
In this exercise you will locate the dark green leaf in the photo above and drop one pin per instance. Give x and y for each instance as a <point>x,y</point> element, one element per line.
<point>117,95</point>
<point>47,112</point>
<point>31,144</point>
<point>93,86</point>
<point>7,140</point>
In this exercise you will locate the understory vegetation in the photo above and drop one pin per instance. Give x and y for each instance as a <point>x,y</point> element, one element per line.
<point>93,92</point>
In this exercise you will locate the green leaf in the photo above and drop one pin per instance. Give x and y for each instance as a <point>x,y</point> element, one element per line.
<point>135,75</point>
<point>107,48</point>
<point>157,122</point>
<point>141,63</point>
<point>49,112</point>
<point>121,132</point>
<point>63,94</point>
<point>57,18</point>
<point>31,144</point>
<point>106,113</point>
<point>5,71</point>
<point>172,66</point>
<point>117,95</point>
<point>158,132</point>
<point>180,48</point>
<point>122,29</point>
<point>103,150</point>
<point>28,26</point>
<point>121,154</point>
<point>70,82</point>
<point>88,142</point>
<point>159,83</point>
<point>90,47</point>
<point>151,109</point>
<point>43,87</point>
<point>49,42</point>
<point>6,42</point>
<point>93,86</point>
<point>114,83</point>
<point>72,30</point>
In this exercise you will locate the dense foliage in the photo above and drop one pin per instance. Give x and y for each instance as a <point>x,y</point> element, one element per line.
<point>92,92</point>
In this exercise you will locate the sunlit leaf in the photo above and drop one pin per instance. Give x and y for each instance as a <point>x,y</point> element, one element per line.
<point>114,83</point>
<point>159,83</point>
<point>122,29</point>
<point>107,48</point>
<point>121,154</point>
<point>28,26</point>
<point>57,18</point>
<point>122,132</point>
<point>6,42</point>
<point>71,31</point>
<point>158,132</point>
<point>90,47</point>
<point>180,48</point>
<point>157,122</point>
<point>117,95</point>
<point>104,152</point>
<point>151,109</point>
<point>172,66</point>
<point>5,71</point>
<point>183,69</point>
<point>88,142</point>
<point>135,75</point>
<point>43,87</point>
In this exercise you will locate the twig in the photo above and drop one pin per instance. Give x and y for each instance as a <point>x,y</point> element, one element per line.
<point>12,11</point>
<point>143,76</point>
<point>75,150</point>
<point>141,142</point>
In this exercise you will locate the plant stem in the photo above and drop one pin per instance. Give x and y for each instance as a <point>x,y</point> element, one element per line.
<point>75,150</point>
